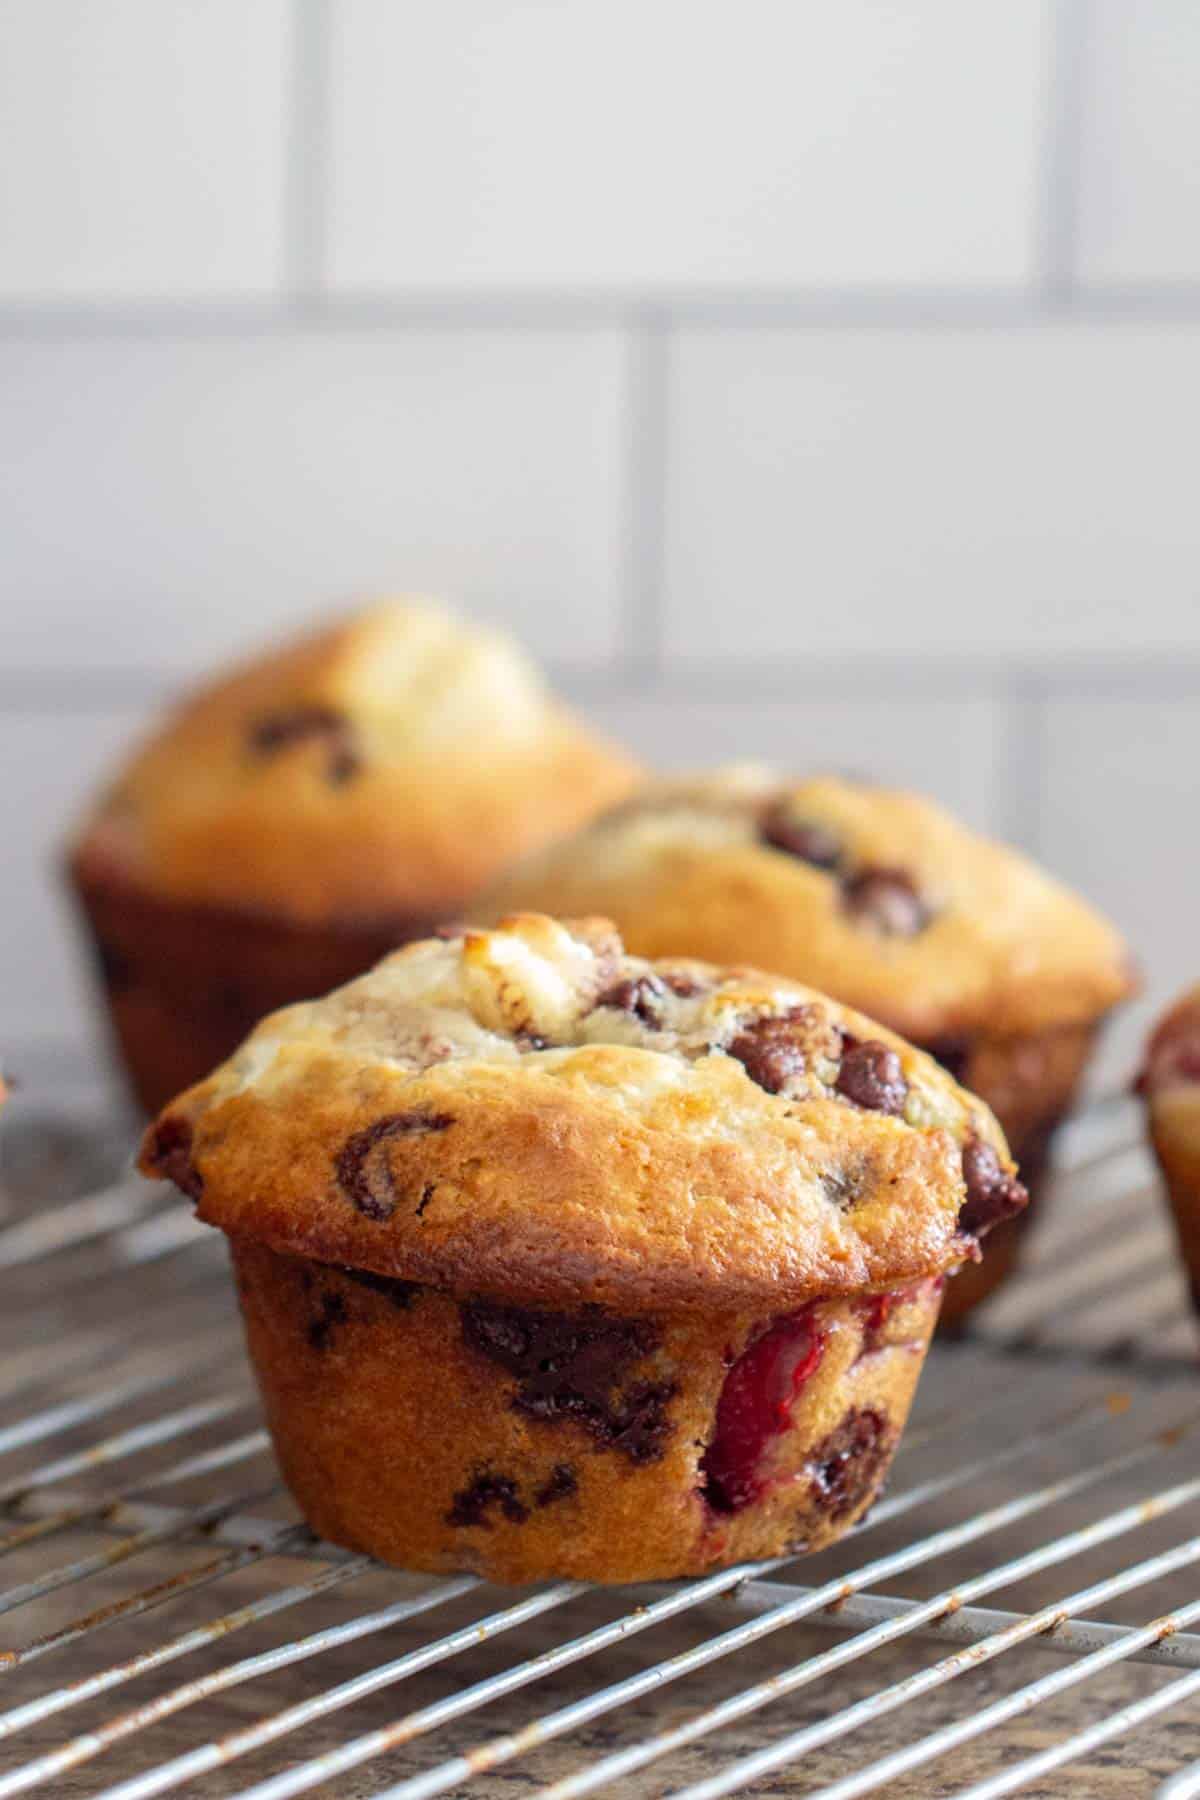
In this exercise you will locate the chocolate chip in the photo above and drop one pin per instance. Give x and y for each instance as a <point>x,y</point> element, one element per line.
<point>298,724</point>
<point>575,1367</point>
<point>771,1050</point>
<point>991,1194</point>
<point>844,1187</point>
<point>365,1179</point>
<point>170,1153</point>
<point>116,970</point>
<point>400,1293</point>
<point>641,995</point>
<point>888,900</point>
<point>560,1486</point>
<point>802,838</point>
<point>472,1504</point>
<point>871,1076</point>
<point>954,1054</point>
<point>685,987</point>
<point>332,1311</point>
<point>846,1465</point>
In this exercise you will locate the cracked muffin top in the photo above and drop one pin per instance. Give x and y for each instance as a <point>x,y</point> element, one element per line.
<point>532,1115</point>
<point>392,761</point>
<point>872,894</point>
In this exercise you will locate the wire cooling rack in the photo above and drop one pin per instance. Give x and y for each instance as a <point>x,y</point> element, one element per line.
<point>1021,1612</point>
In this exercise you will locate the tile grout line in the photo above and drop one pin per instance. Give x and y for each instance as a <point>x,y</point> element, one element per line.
<point>645,499</point>
<point>306,162</point>
<point>306,304</point>
<point>1057,247</point>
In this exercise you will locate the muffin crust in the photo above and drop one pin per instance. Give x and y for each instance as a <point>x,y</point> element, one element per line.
<point>389,764</point>
<point>869,893</point>
<point>492,1113</point>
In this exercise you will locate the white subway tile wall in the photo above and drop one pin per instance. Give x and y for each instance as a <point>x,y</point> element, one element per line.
<point>816,380</point>
<point>566,143</point>
<point>979,492</point>
<point>177,498</point>
<point>142,148</point>
<point>1139,214</point>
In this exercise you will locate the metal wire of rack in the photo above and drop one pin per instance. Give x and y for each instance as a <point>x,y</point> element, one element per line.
<point>1053,1463</point>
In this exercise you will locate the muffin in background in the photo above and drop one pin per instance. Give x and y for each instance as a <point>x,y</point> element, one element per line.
<point>1170,1086</point>
<point>879,898</point>
<point>558,1262</point>
<point>298,817</point>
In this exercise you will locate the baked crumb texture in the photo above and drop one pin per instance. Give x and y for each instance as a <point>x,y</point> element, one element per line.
<point>1170,1087</point>
<point>556,1260</point>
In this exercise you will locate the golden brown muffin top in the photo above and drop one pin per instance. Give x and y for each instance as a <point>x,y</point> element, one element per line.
<point>872,894</point>
<point>531,1114</point>
<point>392,762</point>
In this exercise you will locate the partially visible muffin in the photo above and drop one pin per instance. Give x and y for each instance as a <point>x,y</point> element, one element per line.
<point>878,897</point>
<point>299,817</point>
<point>1170,1086</point>
<point>555,1261</point>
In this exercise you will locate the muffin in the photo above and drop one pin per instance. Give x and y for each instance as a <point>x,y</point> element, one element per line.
<point>1170,1086</point>
<point>558,1262</point>
<point>880,898</point>
<point>295,820</point>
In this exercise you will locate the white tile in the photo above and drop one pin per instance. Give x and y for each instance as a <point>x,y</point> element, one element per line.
<point>62,757</point>
<point>980,493</point>
<point>618,143</point>
<point>165,501</point>
<point>141,147</point>
<point>1119,821</point>
<point>947,748</point>
<point>1139,193</point>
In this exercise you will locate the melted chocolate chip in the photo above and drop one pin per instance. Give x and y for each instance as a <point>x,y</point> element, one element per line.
<point>116,970</point>
<point>802,838</point>
<point>299,724</point>
<point>771,1050</point>
<point>641,995</point>
<point>332,1311</point>
<point>846,1466</point>
<point>171,1154</point>
<point>400,1293</point>
<point>560,1486</point>
<point>871,1076</point>
<point>366,1179</point>
<point>888,900</point>
<point>954,1054</point>
<point>844,1187</point>
<point>574,1367</point>
<point>991,1194</point>
<point>472,1504</point>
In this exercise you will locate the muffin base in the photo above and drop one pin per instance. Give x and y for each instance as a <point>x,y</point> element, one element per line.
<point>441,1435</point>
<point>1030,1084</point>
<point>1175,1137</point>
<point>185,983</point>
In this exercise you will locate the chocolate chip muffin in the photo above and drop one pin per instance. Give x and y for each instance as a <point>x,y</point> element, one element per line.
<point>880,898</point>
<point>292,822</point>
<point>1170,1086</point>
<point>555,1261</point>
